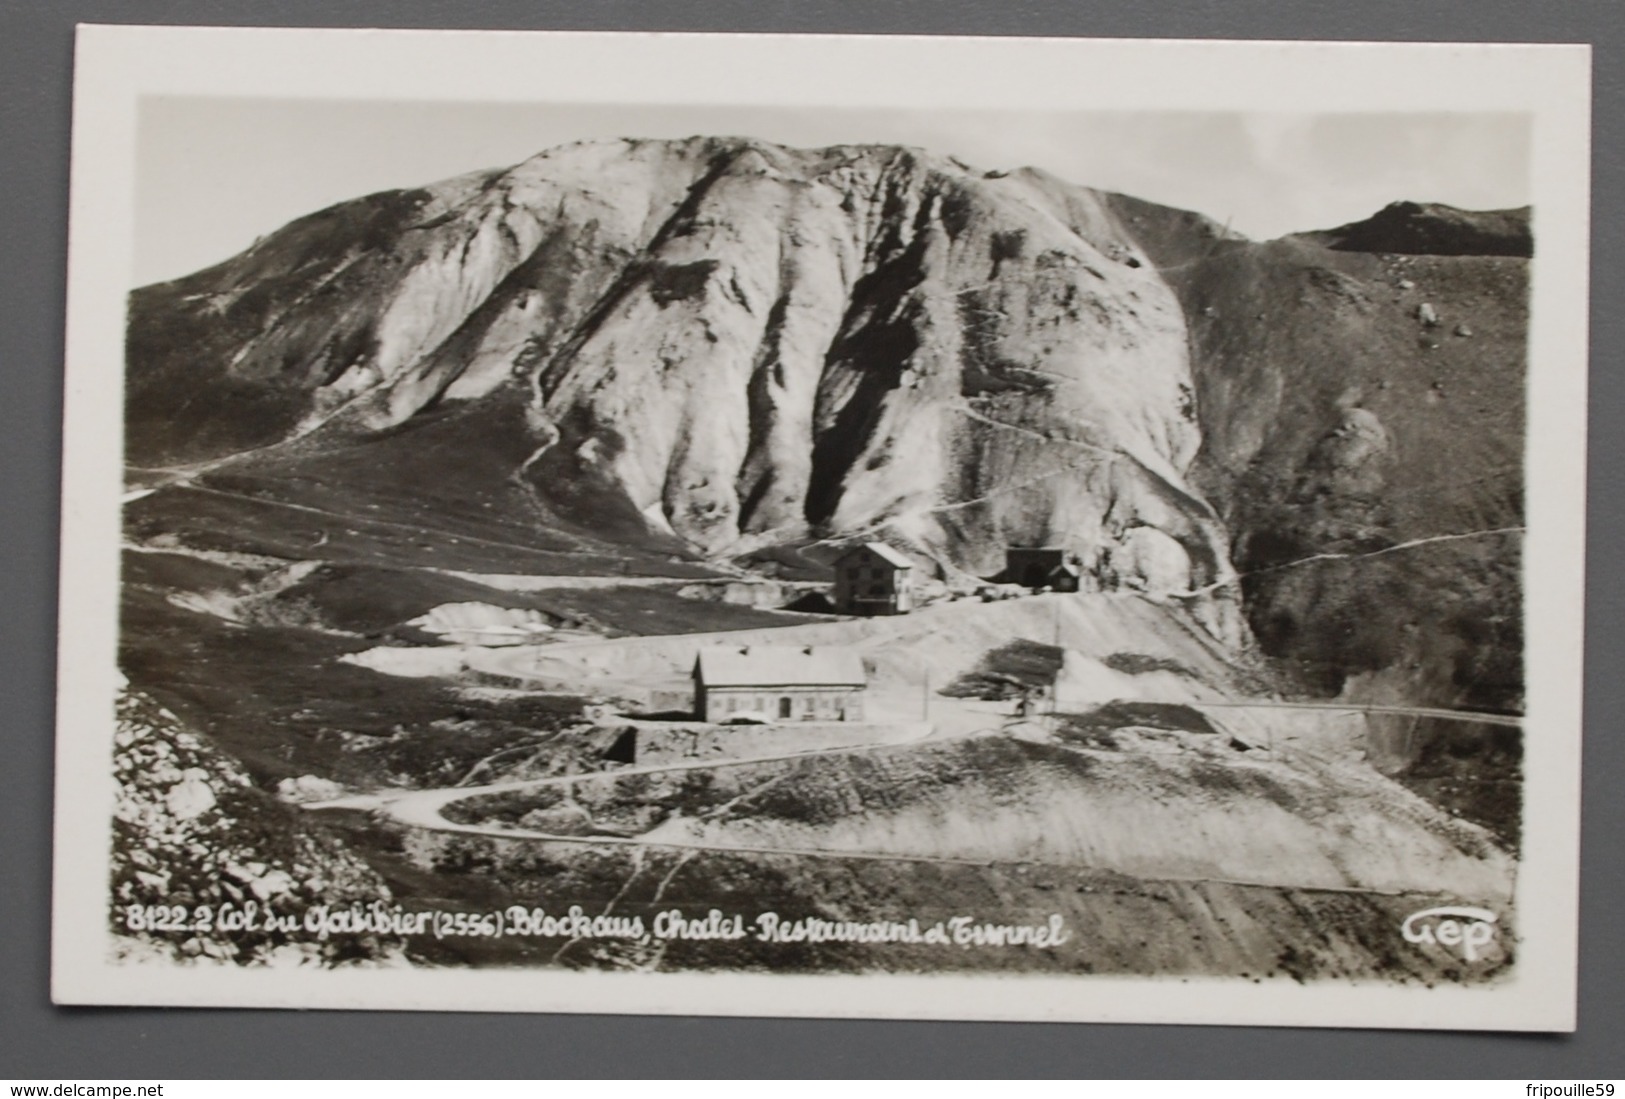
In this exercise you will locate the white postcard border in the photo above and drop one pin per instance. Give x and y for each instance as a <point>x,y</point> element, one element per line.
<point>115,66</point>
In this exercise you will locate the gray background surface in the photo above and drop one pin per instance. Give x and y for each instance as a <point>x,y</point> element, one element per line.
<point>59,1044</point>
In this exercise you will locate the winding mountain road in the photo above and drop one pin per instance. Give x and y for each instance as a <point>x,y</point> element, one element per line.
<point>1479,717</point>
<point>425,809</point>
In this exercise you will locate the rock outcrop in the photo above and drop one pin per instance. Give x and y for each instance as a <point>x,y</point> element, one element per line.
<point>194,836</point>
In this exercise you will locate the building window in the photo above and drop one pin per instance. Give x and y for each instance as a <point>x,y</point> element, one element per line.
<point>784,707</point>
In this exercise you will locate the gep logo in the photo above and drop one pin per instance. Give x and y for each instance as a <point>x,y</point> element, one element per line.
<point>1468,928</point>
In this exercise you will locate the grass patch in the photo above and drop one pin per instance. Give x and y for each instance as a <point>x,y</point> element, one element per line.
<point>1009,672</point>
<point>1474,772</point>
<point>1123,714</point>
<point>1144,664</point>
<point>280,700</point>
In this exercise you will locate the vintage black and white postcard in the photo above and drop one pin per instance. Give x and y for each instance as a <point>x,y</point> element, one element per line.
<point>939,528</point>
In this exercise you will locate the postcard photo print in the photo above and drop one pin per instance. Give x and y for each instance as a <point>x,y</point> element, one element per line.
<point>989,540</point>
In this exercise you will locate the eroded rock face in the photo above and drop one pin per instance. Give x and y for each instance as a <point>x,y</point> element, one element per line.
<point>749,345</point>
<point>1365,456</point>
<point>190,830</point>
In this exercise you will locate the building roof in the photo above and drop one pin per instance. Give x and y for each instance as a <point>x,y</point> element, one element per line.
<point>779,666</point>
<point>885,553</point>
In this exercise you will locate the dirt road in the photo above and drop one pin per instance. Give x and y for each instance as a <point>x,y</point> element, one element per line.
<point>424,808</point>
<point>1475,716</point>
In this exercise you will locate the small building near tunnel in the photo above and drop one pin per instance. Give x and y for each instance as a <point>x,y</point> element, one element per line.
<point>1042,567</point>
<point>779,683</point>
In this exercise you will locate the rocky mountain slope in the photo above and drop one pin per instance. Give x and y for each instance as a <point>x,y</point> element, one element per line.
<point>1363,432</point>
<point>191,830</point>
<point>714,347</point>
<point>1434,229</point>
<point>743,344</point>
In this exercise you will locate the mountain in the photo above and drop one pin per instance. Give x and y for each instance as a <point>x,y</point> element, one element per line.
<point>1434,229</point>
<point>726,349</point>
<point>1363,433</point>
<point>743,344</point>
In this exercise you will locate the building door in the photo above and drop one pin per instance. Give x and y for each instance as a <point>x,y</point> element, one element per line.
<point>784,708</point>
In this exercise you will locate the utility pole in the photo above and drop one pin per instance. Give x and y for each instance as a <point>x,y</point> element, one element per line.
<point>1055,687</point>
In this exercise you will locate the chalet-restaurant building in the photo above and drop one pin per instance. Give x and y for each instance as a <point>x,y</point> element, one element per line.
<point>779,683</point>
<point>872,578</point>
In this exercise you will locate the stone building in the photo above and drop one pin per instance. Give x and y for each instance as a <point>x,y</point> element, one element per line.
<point>779,683</point>
<point>872,578</point>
